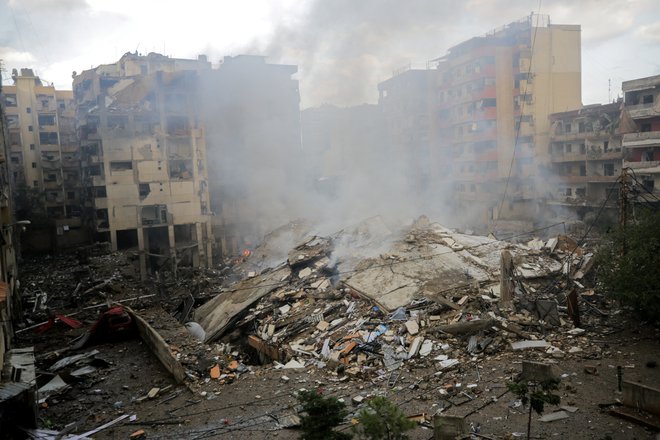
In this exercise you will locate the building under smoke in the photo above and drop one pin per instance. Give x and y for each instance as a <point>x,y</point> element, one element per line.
<point>251,112</point>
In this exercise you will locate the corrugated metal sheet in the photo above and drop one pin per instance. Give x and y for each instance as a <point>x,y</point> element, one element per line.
<point>9,390</point>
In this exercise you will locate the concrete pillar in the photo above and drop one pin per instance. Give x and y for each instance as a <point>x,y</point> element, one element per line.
<point>113,240</point>
<point>506,278</point>
<point>141,250</point>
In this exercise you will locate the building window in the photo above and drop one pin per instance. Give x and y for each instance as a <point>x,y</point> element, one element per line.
<point>580,192</point>
<point>35,183</point>
<point>28,110</point>
<point>567,128</point>
<point>606,146</point>
<point>583,170</point>
<point>62,106</point>
<point>48,138</point>
<point>646,127</point>
<point>583,149</point>
<point>569,148</point>
<point>608,169</point>
<point>70,195</point>
<point>10,100</point>
<point>46,120</point>
<point>569,192</point>
<point>30,128</point>
<point>121,166</point>
<point>32,147</point>
<point>647,99</point>
<point>34,164</point>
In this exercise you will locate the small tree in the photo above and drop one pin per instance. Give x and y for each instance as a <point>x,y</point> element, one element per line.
<point>628,261</point>
<point>383,420</point>
<point>536,394</point>
<point>322,415</point>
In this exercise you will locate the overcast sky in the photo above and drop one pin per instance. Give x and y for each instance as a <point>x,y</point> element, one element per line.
<point>343,47</point>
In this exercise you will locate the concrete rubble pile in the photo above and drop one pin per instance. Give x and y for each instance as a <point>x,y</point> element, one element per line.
<point>428,297</point>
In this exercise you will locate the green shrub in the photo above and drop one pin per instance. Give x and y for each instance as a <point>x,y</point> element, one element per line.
<point>322,414</point>
<point>628,262</point>
<point>383,420</point>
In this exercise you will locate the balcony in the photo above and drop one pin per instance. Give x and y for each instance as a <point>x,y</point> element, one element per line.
<point>587,179</point>
<point>643,165</point>
<point>641,110</point>
<point>641,139</point>
<point>571,157</point>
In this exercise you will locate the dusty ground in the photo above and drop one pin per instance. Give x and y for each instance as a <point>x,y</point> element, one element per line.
<point>255,405</point>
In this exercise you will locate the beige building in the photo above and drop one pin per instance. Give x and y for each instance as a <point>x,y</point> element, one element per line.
<point>493,95</point>
<point>44,161</point>
<point>586,159</point>
<point>641,141</point>
<point>144,159</point>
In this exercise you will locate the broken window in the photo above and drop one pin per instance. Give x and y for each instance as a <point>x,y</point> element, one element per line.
<point>102,219</point>
<point>647,99</point>
<point>606,146</point>
<point>12,121</point>
<point>46,120</point>
<point>10,100</point>
<point>94,170</point>
<point>144,190</point>
<point>583,148</point>
<point>50,177</point>
<point>48,138</point>
<point>121,165</point>
<point>608,169</point>
<point>70,195</point>
<point>645,127</point>
<point>127,239</point>
<point>648,184</point>
<point>181,169</point>
<point>583,170</point>
<point>99,192</point>
<point>154,214</point>
<point>580,192</point>
<point>117,122</point>
<point>177,126</point>
<point>569,192</point>
<point>569,148</point>
<point>567,128</point>
<point>647,156</point>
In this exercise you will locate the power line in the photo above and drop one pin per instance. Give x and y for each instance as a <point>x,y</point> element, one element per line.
<point>522,109</point>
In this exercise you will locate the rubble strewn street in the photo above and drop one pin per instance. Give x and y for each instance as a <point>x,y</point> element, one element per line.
<point>417,315</point>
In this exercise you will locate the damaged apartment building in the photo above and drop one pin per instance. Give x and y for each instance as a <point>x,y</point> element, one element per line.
<point>585,158</point>
<point>44,162</point>
<point>17,370</point>
<point>143,154</point>
<point>641,141</point>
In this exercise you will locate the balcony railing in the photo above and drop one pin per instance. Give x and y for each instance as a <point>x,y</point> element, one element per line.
<point>641,139</point>
<point>642,165</point>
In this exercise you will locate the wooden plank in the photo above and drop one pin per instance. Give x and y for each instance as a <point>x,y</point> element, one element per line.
<point>158,346</point>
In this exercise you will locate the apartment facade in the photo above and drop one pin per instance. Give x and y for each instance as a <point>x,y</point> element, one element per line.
<point>405,101</point>
<point>17,385</point>
<point>586,158</point>
<point>143,153</point>
<point>641,140</point>
<point>44,161</point>
<point>493,95</point>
